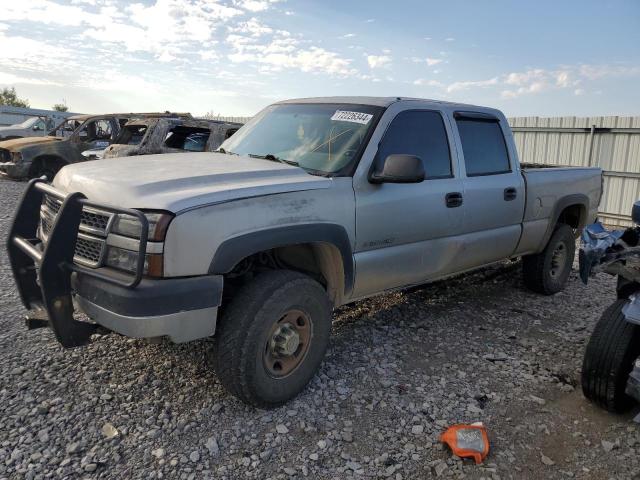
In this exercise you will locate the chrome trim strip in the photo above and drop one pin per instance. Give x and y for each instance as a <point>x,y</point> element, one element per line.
<point>133,244</point>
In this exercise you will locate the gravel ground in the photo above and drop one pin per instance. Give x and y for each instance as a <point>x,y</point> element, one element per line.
<point>400,369</point>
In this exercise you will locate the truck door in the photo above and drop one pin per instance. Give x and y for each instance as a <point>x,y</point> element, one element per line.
<point>494,191</point>
<point>95,134</point>
<point>403,230</point>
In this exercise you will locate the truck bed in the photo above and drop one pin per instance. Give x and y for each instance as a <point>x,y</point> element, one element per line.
<point>549,190</point>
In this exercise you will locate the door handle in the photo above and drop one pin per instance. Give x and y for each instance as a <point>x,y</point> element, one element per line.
<point>453,199</point>
<point>510,193</point>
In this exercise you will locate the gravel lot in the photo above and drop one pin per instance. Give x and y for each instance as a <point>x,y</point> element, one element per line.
<point>400,368</point>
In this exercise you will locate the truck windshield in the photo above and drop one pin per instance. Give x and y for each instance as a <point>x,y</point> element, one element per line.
<point>325,138</point>
<point>66,128</point>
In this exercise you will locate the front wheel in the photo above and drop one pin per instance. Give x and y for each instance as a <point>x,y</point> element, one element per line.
<point>609,358</point>
<point>547,272</point>
<point>47,167</point>
<point>272,338</point>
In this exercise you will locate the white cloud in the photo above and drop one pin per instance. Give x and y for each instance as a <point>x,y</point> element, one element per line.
<point>429,83</point>
<point>578,92</point>
<point>457,86</point>
<point>563,79</point>
<point>430,61</point>
<point>449,39</point>
<point>378,61</point>
<point>253,26</point>
<point>253,5</point>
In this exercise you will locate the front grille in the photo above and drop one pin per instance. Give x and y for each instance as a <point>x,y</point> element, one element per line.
<point>90,219</point>
<point>89,251</point>
<point>91,241</point>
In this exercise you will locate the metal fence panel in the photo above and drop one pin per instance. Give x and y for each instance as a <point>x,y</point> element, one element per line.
<point>612,143</point>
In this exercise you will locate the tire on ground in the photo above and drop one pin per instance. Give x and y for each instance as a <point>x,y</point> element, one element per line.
<point>244,334</point>
<point>47,166</point>
<point>609,357</point>
<point>547,272</point>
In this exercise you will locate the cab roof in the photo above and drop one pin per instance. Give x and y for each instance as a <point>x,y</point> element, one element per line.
<point>86,117</point>
<point>375,101</point>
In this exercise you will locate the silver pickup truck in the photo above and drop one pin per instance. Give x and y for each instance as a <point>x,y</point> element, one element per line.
<point>313,204</point>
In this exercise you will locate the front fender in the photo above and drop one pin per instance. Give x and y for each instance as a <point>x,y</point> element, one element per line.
<point>232,250</point>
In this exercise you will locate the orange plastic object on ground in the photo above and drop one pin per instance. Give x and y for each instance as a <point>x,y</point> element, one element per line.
<point>467,441</point>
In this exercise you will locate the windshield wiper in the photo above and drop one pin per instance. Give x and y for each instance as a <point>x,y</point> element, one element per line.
<point>222,150</point>
<point>273,158</point>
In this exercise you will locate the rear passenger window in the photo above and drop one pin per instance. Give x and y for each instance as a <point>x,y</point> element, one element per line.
<point>485,152</point>
<point>420,133</point>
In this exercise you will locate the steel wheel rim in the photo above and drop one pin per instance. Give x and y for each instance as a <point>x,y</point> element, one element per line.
<point>558,260</point>
<point>287,343</point>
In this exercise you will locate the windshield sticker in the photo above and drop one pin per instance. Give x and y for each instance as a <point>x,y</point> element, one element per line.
<point>355,117</point>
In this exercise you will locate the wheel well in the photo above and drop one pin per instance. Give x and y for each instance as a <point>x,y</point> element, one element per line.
<point>321,261</point>
<point>574,216</point>
<point>39,161</point>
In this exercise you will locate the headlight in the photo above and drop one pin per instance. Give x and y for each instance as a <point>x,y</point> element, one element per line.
<point>127,260</point>
<point>16,157</point>
<point>130,226</point>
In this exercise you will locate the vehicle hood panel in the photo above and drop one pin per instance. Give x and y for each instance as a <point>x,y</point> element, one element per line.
<point>182,181</point>
<point>18,143</point>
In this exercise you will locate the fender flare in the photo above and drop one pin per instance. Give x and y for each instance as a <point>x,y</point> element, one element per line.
<point>561,204</point>
<point>234,249</point>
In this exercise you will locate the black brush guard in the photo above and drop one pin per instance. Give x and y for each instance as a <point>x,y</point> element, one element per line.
<point>43,271</point>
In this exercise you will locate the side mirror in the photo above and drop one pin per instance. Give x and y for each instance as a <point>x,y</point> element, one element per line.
<point>36,128</point>
<point>399,168</point>
<point>635,213</point>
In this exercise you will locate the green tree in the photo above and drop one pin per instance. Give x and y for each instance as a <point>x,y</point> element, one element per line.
<point>61,107</point>
<point>8,96</point>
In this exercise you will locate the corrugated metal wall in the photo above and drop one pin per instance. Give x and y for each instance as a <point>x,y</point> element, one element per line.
<point>12,115</point>
<point>223,118</point>
<point>612,143</point>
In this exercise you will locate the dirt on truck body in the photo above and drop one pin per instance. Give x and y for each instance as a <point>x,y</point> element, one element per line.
<point>147,136</point>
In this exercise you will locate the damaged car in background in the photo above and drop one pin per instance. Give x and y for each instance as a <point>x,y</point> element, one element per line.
<point>611,366</point>
<point>172,134</point>
<point>43,156</point>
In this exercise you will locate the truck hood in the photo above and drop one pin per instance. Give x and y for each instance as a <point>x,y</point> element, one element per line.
<point>182,181</point>
<point>19,143</point>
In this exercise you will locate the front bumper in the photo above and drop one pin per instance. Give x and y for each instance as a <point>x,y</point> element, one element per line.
<point>183,309</point>
<point>49,280</point>
<point>14,170</point>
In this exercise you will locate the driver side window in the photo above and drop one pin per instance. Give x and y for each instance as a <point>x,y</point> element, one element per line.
<point>97,130</point>
<point>421,133</point>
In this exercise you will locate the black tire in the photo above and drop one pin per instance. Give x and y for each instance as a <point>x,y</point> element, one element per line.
<point>611,352</point>
<point>47,167</point>
<point>243,337</point>
<point>543,272</point>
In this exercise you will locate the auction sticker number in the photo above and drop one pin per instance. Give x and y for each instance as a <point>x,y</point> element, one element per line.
<point>355,117</point>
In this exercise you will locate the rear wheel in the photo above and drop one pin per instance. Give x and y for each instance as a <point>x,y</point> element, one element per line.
<point>547,272</point>
<point>272,338</point>
<point>611,352</point>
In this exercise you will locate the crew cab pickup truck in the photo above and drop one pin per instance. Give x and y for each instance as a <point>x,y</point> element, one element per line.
<point>313,204</point>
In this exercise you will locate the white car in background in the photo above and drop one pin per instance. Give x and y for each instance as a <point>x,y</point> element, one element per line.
<point>31,127</point>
